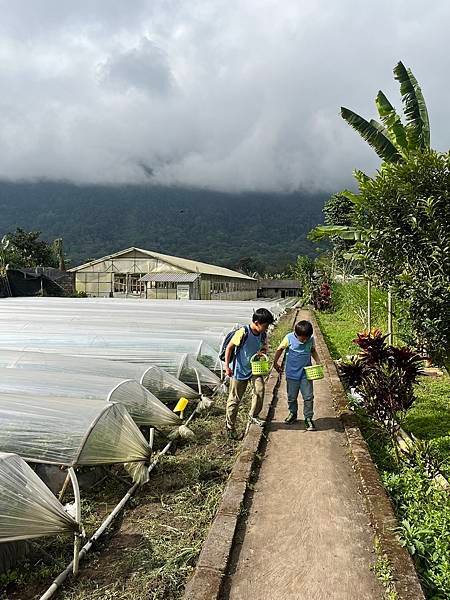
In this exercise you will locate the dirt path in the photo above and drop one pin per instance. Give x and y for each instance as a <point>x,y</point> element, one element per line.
<point>307,536</point>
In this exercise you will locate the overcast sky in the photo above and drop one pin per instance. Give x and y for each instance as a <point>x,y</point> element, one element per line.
<point>228,94</point>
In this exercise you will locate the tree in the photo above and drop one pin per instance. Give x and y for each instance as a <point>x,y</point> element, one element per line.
<point>404,215</point>
<point>392,140</point>
<point>249,266</point>
<point>25,249</point>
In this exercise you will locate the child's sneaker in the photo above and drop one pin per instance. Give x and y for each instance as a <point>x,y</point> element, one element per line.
<point>309,423</point>
<point>290,418</point>
<point>257,421</point>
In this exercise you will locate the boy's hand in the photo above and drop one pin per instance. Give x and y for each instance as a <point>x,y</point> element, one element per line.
<point>228,372</point>
<point>277,367</point>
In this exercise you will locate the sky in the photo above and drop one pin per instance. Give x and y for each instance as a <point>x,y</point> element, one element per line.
<point>232,95</point>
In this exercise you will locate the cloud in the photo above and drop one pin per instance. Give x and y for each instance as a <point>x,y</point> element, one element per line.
<point>227,94</point>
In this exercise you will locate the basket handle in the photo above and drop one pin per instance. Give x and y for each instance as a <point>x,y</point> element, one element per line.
<point>263,356</point>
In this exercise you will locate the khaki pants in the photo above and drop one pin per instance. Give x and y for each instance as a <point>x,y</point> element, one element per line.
<point>237,391</point>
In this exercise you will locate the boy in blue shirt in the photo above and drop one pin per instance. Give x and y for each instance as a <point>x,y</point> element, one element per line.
<point>300,347</point>
<point>246,342</point>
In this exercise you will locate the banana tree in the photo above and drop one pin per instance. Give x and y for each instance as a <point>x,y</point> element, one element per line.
<point>392,139</point>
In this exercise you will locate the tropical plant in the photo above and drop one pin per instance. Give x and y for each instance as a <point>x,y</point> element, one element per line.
<point>391,139</point>
<point>383,377</point>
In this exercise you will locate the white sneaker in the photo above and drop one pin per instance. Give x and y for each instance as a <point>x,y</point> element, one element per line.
<point>258,421</point>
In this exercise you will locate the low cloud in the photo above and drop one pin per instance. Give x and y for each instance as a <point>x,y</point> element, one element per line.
<point>227,94</point>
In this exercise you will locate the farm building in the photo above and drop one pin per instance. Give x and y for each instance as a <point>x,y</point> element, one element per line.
<point>146,274</point>
<point>278,288</point>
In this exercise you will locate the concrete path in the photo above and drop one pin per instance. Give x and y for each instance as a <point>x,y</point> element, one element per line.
<point>307,535</point>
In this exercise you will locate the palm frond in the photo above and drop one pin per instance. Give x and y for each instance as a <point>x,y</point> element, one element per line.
<point>415,109</point>
<point>375,138</point>
<point>395,130</point>
<point>342,231</point>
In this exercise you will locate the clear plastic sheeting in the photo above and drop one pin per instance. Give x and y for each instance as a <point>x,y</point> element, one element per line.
<point>165,386</point>
<point>152,377</point>
<point>190,371</point>
<point>142,405</point>
<point>123,347</point>
<point>71,432</point>
<point>28,509</point>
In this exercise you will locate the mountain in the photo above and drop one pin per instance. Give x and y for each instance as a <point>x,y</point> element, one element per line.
<point>205,225</point>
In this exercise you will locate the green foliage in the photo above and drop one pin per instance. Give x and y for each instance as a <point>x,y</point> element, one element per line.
<point>373,135</point>
<point>392,140</point>
<point>424,511</point>
<point>416,113</point>
<point>25,249</point>
<point>384,377</point>
<point>407,210</point>
<point>350,315</point>
<point>338,210</point>
<point>304,272</point>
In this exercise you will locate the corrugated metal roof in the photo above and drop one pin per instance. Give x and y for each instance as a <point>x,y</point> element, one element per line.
<point>171,277</point>
<point>186,264</point>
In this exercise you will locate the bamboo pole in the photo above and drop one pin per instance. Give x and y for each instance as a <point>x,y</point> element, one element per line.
<point>389,317</point>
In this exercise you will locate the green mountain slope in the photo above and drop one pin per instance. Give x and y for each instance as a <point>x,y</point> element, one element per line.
<point>200,224</point>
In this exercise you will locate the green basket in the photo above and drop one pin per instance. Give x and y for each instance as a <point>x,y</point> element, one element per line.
<point>260,364</point>
<point>314,372</point>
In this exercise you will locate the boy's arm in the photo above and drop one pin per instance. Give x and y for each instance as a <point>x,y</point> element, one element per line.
<point>276,358</point>
<point>235,341</point>
<point>228,352</point>
<point>281,348</point>
<point>315,355</point>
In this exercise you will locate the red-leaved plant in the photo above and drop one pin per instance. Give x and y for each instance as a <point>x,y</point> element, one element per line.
<point>384,377</point>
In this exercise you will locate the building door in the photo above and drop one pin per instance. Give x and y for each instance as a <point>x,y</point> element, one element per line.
<point>183,292</point>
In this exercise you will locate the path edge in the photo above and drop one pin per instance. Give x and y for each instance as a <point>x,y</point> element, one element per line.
<point>381,513</point>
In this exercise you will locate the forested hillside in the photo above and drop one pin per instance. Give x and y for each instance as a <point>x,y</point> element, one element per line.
<point>210,226</point>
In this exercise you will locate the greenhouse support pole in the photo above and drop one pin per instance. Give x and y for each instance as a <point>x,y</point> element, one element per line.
<point>198,382</point>
<point>369,305</point>
<point>151,437</point>
<point>76,544</point>
<point>64,487</point>
<point>389,316</point>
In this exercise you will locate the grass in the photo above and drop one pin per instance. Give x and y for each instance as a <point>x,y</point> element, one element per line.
<point>423,509</point>
<point>152,548</point>
<point>383,570</point>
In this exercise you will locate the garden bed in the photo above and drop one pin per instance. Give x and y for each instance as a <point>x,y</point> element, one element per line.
<point>422,506</point>
<point>152,548</point>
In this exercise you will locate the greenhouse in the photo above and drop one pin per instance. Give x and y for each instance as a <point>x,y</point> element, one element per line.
<point>160,383</point>
<point>69,432</point>
<point>121,347</point>
<point>28,509</point>
<point>142,405</point>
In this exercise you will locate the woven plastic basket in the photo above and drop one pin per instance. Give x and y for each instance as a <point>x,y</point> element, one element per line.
<point>314,372</point>
<point>260,364</point>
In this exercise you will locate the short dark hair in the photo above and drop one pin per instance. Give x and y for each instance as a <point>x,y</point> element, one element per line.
<point>262,315</point>
<point>304,329</point>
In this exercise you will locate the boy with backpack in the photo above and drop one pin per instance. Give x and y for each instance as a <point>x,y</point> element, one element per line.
<point>300,347</point>
<point>241,345</point>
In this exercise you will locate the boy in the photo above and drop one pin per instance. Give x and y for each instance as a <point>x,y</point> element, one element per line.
<point>299,346</point>
<point>247,341</point>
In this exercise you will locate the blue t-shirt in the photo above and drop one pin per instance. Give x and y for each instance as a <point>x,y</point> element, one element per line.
<point>242,368</point>
<point>298,355</point>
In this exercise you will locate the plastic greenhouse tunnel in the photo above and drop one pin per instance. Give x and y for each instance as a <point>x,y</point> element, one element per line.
<point>163,385</point>
<point>28,509</point>
<point>119,347</point>
<point>72,432</point>
<point>142,405</point>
